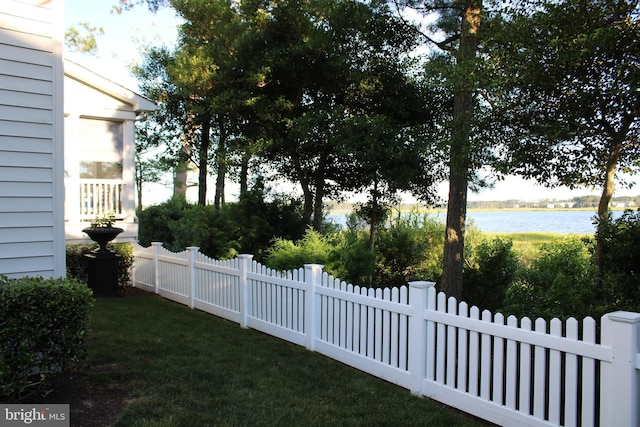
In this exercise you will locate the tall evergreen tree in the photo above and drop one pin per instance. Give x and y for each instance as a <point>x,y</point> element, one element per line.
<point>454,37</point>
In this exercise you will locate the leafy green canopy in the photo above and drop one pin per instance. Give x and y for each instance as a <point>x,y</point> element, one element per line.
<point>566,90</point>
<point>320,91</point>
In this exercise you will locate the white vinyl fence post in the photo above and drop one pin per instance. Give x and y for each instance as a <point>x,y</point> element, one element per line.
<point>313,278</point>
<point>418,296</point>
<point>620,381</point>
<point>244,291</point>
<point>193,250</point>
<point>136,245</point>
<point>156,265</point>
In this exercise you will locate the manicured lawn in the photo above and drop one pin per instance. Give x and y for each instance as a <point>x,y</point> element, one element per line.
<point>188,368</point>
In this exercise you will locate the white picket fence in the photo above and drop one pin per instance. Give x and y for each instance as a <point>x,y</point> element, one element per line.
<point>515,373</point>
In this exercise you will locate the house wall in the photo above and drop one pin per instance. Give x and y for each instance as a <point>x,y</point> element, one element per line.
<point>31,139</point>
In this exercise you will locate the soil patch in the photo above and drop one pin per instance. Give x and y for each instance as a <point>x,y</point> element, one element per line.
<point>93,404</point>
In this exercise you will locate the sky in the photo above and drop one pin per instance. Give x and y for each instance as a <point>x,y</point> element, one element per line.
<point>126,34</point>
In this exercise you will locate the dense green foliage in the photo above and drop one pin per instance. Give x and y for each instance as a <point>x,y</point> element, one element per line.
<point>490,269</point>
<point>248,226</point>
<point>547,276</point>
<point>557,283</point>
<point>319,93</point>
<point>408,248</point>
<point>621,261</point>
<point>312,248</point>
<point>340,96</point>
<point>44,322</point>
<point>566,96</point>
<point>77,264</point>
<point>553,279</point>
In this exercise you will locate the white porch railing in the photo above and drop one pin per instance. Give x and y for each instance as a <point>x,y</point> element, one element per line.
<point>511,373</point>
<point>98,196</point>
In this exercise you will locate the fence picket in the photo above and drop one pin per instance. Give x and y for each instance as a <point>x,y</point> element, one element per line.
<point>403,321</point>
<point>540,375</point>
<point>462,356</point>
<point>588,375</point>
<point>386,330</point>
<point>524,401</point>
<point>555,373</point>
<point>485,372</point>
<point>498,364</point>
<point>363,325</point>
<point>343,318</point>
<point>474,354</point>
<point>371,326</point>
<point>441,344</point>
<point>511,379</point>
<point>571,378</point>
<point>377,352</point>
<point>451,345</point>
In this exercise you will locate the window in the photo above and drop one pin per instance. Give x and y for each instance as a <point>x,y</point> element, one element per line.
<point>101,143</point>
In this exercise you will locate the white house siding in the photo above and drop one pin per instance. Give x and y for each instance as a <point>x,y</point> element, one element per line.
<point>31,139</point>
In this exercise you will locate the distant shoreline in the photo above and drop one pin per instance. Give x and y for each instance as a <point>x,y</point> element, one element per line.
<point>406,209</point>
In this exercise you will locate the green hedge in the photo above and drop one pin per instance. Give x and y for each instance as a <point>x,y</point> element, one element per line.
<point>77,264</point>
<point>44,322</point>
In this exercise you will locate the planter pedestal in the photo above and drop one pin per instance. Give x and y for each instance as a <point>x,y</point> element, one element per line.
<point>103,273</point>
<point>103,263</point>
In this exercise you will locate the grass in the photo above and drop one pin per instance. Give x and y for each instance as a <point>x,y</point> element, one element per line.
<point>188,368</point>
<point>528,240</point>
<point>528,244</point>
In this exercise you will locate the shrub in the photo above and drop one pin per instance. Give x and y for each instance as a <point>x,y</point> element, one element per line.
<point>557,283</point>
<point>253,222</point>
<point>77,264</point>
<point>621,262</point>
<point>343,255</point>
<point>44,322</point>
<point>248,226</point>
<point>313,248</point>
<point>410,249</point>
<point>158,223</point>
<point>489,270</point>
<point>351,260</point>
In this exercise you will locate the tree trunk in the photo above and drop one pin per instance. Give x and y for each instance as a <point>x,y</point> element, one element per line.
<point>221,163</point>
<point>244,172</point>
<point>205,142</point>
<point>459,150</point>
<point>608,186</point>
<point>180,173</point>
<point>373,224</point>
<point>455,229</point>
<point>184,157</point>
<point>139,175</point>
<point>319,196</point>
<point>307,206</point>
<point>373,219</point>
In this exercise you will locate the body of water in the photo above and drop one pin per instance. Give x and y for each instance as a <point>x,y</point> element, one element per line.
<point>513,221</point>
